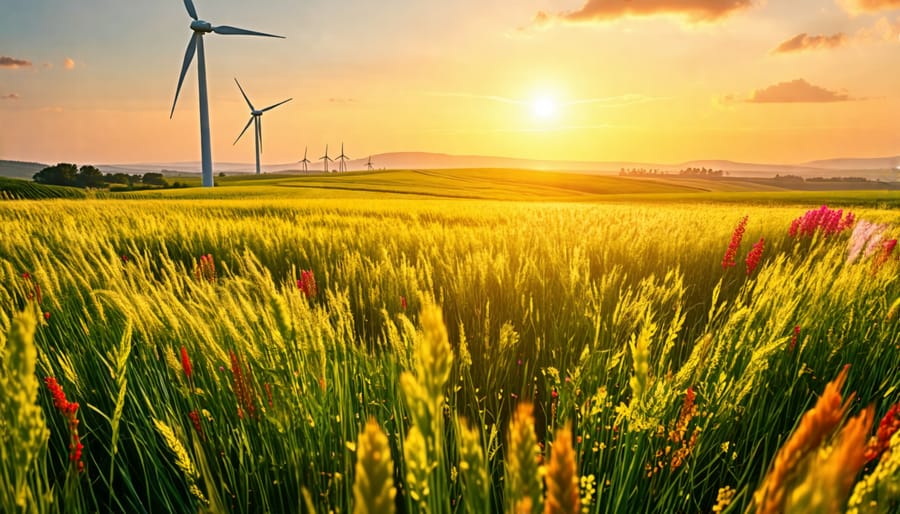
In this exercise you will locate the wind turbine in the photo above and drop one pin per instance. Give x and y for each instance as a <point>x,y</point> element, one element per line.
<point>306,161</point>
<point>369,165</point>
<point>195,45</point>
<point>326,159</point>
<point>342,167</point>
<point>256,119</point>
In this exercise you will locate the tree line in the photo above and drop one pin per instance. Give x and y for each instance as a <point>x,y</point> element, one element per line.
<point>691,172</point>
<point>65,174</point>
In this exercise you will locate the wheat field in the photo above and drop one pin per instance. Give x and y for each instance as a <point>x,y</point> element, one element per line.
<point>296,354</point>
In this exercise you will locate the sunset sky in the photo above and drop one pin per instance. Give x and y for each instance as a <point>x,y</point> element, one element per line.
<point>665,81</point>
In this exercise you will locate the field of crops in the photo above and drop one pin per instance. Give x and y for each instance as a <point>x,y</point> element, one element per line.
<point>300,354</point>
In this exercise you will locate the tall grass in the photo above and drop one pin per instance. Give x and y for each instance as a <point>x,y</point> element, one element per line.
<point>209,379</point>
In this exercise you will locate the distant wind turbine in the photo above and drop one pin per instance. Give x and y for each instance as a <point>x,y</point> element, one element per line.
<point>326,159</point>
<point>342,167</point>
<point>369,165</point>
<point>305,161</point>
<point>195,45</point>
<point>256,119</point>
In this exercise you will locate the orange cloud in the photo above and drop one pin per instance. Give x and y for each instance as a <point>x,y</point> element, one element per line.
<point>855,6</point>
<point>796,91</point>
<point>804,41</point>
<point>12,62</point>
<point>603,10</point>
<point>882,31</point>
<point>69,63</point>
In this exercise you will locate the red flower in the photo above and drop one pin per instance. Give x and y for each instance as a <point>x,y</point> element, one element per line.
<point>26,275</point>
<point>205,269</point>
<point>186,363</point>
<point>889,425</point>
<point>728,259</point>
<point>70,411</point>
<point>243,387</point>
<point>195,420</point>
<point>59,397</point>
<point>307,283</point>
<point>754,256</point>
<point>794,337</point>
<point>403,302</point>
<point>47,316</point>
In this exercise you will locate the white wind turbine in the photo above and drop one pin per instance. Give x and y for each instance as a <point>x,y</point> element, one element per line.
<point>195,45</point>
<point>326,159</point>
<point>369,165</point>
<point>256,119</point>
<point>305,161</point>
<point>342,167</point>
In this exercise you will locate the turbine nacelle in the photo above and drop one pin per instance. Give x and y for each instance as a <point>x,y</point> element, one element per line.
<point>201,26</point>
<point>256,112</point>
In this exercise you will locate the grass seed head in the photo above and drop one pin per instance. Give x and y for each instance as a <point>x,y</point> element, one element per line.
<point>373,488</point>
<point>523,461</point>
<point>562,475</point>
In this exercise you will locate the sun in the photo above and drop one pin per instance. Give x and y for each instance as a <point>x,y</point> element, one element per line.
<point>544,107</point>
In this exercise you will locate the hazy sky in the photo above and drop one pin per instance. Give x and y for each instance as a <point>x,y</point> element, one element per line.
<point>787,81</point>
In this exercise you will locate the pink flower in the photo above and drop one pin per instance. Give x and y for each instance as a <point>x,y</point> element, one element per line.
<point>823,219</point>
<point>754,256</point>
<point>731,252</point>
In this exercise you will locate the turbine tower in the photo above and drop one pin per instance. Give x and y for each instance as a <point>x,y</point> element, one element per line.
<point>326,159</point>
<point>369,165</point>
<point>305,161</point>
<point>342,167</point>
<point>256,119</point>
<point>195,45</point>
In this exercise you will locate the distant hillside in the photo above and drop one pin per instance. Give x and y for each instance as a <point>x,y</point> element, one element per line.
<point>884,169</point>
<point>19,169</point>
<point>879,163</point>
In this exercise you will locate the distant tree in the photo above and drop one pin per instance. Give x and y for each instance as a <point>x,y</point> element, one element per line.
<point>89,176</point>
<point>63,174</point>
<point>154,179</point>
<point>221,173</point>
<point>118,178</point>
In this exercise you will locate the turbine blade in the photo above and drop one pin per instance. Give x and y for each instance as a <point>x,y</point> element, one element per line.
<point>242,132</point>
<point>189,5</point>
<point>276,105</point>
<point>235,31</point>
<point>188,57</point>
<point>245,95</point>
